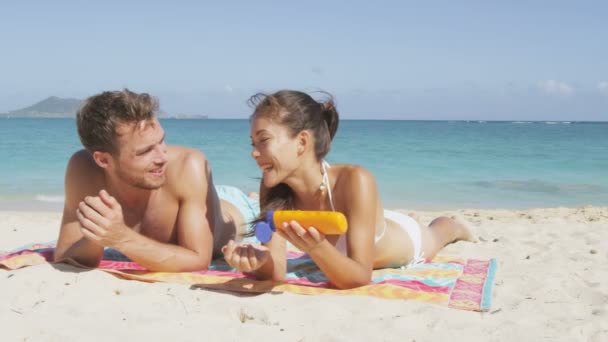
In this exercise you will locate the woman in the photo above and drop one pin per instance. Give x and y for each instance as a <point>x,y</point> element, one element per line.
<point>291,134</point>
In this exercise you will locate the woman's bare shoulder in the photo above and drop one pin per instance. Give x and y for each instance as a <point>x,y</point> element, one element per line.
<point>353,175</point>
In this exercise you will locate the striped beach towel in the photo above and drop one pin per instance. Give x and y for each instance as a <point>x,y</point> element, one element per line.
<point>454,282</point>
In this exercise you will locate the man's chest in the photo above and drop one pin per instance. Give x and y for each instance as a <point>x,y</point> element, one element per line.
<point>156,222</point>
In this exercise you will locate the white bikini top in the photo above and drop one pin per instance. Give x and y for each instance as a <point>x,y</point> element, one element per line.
<point>341,244</point>
<point>324,166</point>
<point>412,229</point>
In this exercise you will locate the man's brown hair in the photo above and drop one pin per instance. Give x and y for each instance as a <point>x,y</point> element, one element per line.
<point>97,118</point>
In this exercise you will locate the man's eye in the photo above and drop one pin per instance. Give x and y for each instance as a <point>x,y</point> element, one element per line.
<point>143,152</point>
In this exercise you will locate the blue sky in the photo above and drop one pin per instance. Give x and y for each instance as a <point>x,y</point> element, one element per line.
<point>479,60</point>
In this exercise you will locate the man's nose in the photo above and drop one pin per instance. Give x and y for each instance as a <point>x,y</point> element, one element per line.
<point>161,156</point>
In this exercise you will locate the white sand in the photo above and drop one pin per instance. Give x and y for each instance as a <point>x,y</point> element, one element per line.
<point>551,285</point>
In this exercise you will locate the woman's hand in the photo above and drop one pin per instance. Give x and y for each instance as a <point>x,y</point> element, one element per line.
<point>304,239</point>
<point>245,257</point>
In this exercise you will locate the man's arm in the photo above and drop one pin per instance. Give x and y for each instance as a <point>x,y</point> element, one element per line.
<point>276,266</point>
<point>103,221</point>
<point>80,181</point>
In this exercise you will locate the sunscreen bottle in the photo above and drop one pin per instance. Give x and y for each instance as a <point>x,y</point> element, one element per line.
<point>326,222</point>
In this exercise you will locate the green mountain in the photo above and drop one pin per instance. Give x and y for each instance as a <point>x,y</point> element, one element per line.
<point>55,107</point>
<point>52,107</point>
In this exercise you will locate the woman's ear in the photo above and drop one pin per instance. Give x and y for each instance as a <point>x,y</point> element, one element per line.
<point>304,141</point>
<point>102,159</point>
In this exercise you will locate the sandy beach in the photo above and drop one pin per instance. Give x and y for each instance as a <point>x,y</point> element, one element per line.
<point>551,285</point>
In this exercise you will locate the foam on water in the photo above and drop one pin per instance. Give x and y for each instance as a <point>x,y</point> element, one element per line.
<point>49,198</point>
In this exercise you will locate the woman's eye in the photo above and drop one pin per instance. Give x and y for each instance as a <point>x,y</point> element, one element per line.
<point>261,141</point>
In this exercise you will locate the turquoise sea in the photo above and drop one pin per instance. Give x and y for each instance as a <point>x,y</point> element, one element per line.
<point>417,164</point>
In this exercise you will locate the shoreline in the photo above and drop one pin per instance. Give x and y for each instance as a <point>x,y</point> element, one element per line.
<point>36,205</point>
<point>31,206</point>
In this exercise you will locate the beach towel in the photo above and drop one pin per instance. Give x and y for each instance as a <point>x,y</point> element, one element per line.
<point>454,282</point>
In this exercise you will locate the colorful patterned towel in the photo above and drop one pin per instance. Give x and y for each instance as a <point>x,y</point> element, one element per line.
<point>458,283</point>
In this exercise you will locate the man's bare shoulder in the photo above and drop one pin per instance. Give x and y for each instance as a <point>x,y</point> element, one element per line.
<point>81,158</point>
<point>187,167</point>
<point>81,164</point>
<point>184,159</point>
<point>83,175</point>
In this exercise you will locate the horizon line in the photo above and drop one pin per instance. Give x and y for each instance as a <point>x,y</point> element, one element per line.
<point>206,117</point>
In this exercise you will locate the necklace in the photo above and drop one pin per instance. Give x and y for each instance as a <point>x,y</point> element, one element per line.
<point>324,179</point>
<point>323,187</point>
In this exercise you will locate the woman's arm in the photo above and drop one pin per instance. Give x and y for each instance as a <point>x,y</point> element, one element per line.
<point>275,267</point>
<point>359,203</point>
<point>267,261</point>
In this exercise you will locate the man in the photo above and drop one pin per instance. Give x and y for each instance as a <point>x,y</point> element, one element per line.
<point>130,191</point>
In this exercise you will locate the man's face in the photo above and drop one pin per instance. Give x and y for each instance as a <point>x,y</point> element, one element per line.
<point>142,154</point>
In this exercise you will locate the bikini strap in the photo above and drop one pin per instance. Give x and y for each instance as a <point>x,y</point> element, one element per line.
<point>324,166</point>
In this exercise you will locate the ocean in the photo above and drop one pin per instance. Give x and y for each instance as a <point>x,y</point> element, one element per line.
<point>429,165</point>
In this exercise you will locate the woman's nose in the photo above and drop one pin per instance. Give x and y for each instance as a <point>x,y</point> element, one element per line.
<point>255,153</point>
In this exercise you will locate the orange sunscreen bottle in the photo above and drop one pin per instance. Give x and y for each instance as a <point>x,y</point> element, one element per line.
<point>326,222</point>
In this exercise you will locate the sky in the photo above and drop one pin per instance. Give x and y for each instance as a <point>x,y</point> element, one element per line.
<point>422,60</point>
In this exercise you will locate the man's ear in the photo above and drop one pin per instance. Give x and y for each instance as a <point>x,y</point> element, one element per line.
<point>102,159</point>
<point>304,141</point>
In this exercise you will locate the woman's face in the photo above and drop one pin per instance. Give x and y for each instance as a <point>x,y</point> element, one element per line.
<point>274,150</point>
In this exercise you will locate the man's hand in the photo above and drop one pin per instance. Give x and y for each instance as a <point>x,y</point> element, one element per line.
<point>245,257</point>
<point>101,220</point>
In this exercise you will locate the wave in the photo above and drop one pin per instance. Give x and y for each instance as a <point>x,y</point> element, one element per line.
<point>535,185</point>
<point>558,122</point>
<point>49,198</point>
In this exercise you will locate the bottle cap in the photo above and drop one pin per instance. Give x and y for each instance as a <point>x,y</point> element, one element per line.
<point>270,220</point>
<point>264,230</point>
